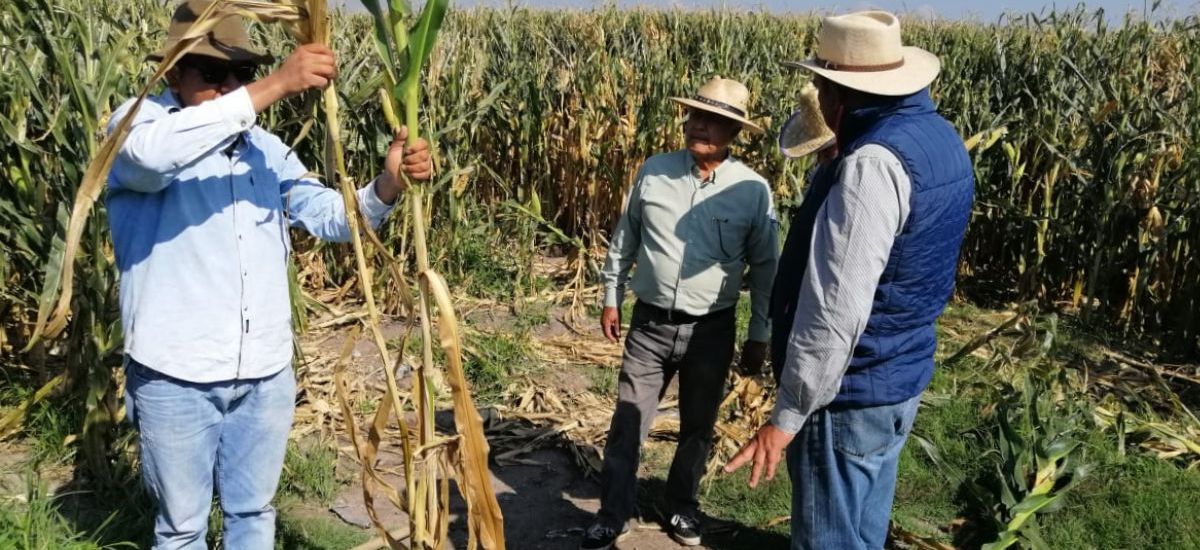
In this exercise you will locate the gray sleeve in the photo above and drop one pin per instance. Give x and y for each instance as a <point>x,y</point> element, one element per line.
<point>623,246</point>
<point>762,257</point>
<point>851,242</point>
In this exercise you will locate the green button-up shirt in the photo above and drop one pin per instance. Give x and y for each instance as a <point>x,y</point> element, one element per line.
<point>693,239</point>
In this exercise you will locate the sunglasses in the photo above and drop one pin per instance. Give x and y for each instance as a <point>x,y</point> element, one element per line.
<point>216,72</point>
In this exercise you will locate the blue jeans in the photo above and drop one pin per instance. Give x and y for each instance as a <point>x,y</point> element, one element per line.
<point>234,433</point>
<point>843,470</point>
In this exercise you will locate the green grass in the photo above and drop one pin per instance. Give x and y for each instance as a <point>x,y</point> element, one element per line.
<point>492,360</point>
<point>1132,502</point>
<point>298,528</point>
<point>728,497</point>
<point>87,519</point>
<point>1129,500</point>
<point>602,380</point>
<point>1142,503</point>
<point>73,518</point>
<point>485,263</point>
<point>310,472</point>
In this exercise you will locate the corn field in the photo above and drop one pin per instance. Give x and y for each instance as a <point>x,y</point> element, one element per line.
<point>1084,135</point>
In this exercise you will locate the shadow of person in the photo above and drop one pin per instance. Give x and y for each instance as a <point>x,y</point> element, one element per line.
<point>717,232</point>
<point>113,513</point>
<point>719,533</point>
<point>548,501</point>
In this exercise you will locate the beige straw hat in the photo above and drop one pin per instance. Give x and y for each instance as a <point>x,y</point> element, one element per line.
<point>805,131</point>
<point>863,51</point>
<point>724,97</point>
<point>227,40</point>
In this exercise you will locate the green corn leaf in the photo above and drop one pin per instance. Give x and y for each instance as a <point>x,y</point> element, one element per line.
<point>383,37</point>
<point>424,34</point>
<point>399,11</point>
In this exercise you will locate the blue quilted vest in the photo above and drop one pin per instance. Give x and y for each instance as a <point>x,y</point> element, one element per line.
<point>893,360</point>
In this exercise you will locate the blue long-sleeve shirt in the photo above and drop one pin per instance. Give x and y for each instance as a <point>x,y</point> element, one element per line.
<point>200,200</point>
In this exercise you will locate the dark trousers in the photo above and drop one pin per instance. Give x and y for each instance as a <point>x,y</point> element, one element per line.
<point>657,347</point>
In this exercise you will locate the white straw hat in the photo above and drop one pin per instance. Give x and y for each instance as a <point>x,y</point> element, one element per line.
<point>805,131</point>
<point>724,97</point>
<point>863,51</point>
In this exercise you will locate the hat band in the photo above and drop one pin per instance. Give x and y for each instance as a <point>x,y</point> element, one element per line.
<point>721,105</point>
<point>830,65</point>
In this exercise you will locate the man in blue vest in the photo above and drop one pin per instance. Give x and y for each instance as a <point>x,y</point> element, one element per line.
<point>868,265</point>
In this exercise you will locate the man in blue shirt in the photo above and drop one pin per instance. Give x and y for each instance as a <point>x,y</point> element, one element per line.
<point>200,202</point>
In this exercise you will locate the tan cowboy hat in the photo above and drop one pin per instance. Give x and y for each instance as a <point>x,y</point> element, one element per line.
<point>863,51</point>
<point>227,40</point>
<point>724,97</point>
<point>805,131</point>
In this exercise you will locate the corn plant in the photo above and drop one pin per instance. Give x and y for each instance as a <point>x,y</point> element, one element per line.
<point>1039,460</point>
<point>403,53</point>
<point>1037,451</point>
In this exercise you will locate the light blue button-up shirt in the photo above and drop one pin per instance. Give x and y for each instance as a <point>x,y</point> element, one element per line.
<point>199,200</point>
<point>693,239</point>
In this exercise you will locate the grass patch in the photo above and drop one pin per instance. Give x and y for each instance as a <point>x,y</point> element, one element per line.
<point>310,472</point>
<point>728,497</point>
<point>1140,503</point>
<point>49,425</point>
<point>39,524</point>
<point>492,359</point>
<point>479,267</point>
<point>298,527</point>
<point>602,380</point>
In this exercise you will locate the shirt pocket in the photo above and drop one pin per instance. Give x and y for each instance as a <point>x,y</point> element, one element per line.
<point>730,238</point>
<point>270,204</point>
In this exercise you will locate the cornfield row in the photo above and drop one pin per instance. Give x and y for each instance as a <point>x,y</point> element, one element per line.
<point>1088,194</point>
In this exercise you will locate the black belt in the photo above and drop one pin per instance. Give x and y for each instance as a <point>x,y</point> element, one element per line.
<point>675,316</point>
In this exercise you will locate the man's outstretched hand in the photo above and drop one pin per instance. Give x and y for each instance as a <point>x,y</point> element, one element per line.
<point>765,449</point>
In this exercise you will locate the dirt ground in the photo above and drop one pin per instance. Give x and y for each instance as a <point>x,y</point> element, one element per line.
<point>547,500</point>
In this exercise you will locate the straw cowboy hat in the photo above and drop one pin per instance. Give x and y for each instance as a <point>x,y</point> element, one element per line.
<point>227,40</point>
<point>724,97</point>
<point>805,131</point>
<point>863,51</point>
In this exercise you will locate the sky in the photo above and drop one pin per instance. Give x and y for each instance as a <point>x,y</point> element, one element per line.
<point>946,9</point>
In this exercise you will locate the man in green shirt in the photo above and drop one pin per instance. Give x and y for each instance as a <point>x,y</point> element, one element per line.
<point>694,220</point>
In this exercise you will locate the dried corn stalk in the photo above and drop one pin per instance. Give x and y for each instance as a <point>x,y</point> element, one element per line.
<point>403,52</point>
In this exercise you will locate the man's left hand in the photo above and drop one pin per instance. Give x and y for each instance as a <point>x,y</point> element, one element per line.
<point>765,449</point>
<point>753,355</point>
<point>413,160</point>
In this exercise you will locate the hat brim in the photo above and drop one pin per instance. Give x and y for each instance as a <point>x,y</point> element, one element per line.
<point>227,53</point>
<point>920,69</point>
<point>796,139</point>
<point>745,122</point>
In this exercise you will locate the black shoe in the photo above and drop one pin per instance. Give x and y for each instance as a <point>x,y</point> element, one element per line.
<point>685,530</point>
<point>602,537</point>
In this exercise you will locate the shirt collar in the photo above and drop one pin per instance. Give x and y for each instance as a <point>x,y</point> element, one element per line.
<point>694,170</point>
<point>167,99</point>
